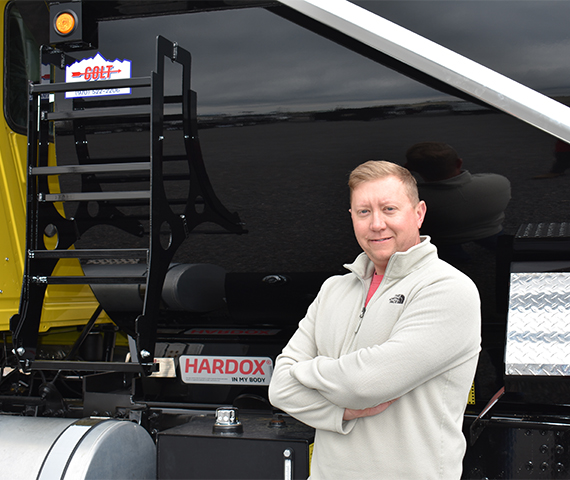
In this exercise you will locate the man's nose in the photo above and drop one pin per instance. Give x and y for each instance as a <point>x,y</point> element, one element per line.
<point>377,221</point>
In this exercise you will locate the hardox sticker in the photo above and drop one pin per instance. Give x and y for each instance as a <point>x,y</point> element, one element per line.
<point>225,370</point>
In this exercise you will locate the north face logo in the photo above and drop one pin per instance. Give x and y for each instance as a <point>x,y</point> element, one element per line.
<point>397,298</point>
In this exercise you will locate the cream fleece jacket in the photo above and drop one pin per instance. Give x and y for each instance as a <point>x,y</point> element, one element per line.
<point>417,341</point>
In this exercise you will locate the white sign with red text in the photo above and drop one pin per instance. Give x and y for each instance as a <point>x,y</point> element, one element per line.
<point>226,370</point>
<point>97,69</point>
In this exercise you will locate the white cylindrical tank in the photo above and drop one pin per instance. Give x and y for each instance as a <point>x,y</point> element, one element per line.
<point>69,449</point>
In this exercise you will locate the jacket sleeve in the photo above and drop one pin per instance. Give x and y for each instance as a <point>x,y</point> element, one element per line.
<point>438,330</point>
<point>287,393</point>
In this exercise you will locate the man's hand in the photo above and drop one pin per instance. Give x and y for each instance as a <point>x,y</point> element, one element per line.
<point>350,414</point>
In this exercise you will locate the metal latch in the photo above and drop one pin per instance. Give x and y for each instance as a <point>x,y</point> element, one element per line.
<point>288,464</point>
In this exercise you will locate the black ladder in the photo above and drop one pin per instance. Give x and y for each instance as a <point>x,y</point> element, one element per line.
<point>50,236</point>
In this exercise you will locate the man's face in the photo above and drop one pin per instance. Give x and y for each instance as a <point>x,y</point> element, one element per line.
<point>384,219</point>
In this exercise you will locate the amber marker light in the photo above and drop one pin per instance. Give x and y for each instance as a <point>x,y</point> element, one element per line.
<point>65,23</point>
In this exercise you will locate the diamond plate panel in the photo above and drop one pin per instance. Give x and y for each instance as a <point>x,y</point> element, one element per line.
<point>538,325</point>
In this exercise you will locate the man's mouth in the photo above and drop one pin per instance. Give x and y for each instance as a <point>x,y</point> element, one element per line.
<point>379,240</point>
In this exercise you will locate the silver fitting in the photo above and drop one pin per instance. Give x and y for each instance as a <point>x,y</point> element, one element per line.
<point>227,420</point>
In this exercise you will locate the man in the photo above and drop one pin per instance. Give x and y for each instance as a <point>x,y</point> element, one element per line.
<point>382,364</point>
<point>463,207</point>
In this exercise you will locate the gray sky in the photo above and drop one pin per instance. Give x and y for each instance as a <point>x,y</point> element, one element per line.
<point>252,60</point>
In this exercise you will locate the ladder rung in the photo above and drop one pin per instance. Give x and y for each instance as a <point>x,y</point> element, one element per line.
<point>93,196</point>
<point>99,168</point>
<point>109,160</point>
<point>76,366</point>
<point>91,253</point>
<point>75,86</point>
<point>101,112</point>
<point>122,179</point>
<point>80,280</point>
<point>141,159</point>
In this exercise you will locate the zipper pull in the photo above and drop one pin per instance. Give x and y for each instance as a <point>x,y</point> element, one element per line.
<point>361,316</point>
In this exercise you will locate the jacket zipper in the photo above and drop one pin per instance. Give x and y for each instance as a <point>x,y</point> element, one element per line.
<point>363,311</point>
<point>360,317</point>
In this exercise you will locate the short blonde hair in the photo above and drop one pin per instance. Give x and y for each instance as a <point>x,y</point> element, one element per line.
<point>376,169</point>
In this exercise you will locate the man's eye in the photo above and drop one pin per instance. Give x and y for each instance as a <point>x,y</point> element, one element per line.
<point>363,212</point>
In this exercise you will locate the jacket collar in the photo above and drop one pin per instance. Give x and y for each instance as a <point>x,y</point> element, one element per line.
<point>400,263</point>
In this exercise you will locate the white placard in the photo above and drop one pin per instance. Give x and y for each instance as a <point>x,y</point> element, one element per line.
<point>97,70</point>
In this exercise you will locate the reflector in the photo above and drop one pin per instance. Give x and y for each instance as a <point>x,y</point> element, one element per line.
<point>65,23</point>
<point>73,26</point>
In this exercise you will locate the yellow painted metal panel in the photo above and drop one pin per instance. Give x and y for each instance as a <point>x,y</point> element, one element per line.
<point>12,220</point>
<point>64,305</point>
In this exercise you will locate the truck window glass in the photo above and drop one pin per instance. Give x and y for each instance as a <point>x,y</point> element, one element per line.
<point>280,130</point>
<point>275,153</point>
<point>22,65</point>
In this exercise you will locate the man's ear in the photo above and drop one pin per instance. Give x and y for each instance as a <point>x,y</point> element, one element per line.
<point>421,210</point>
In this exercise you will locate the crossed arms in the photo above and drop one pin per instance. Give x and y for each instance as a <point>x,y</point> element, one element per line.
<point>331,393</point>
